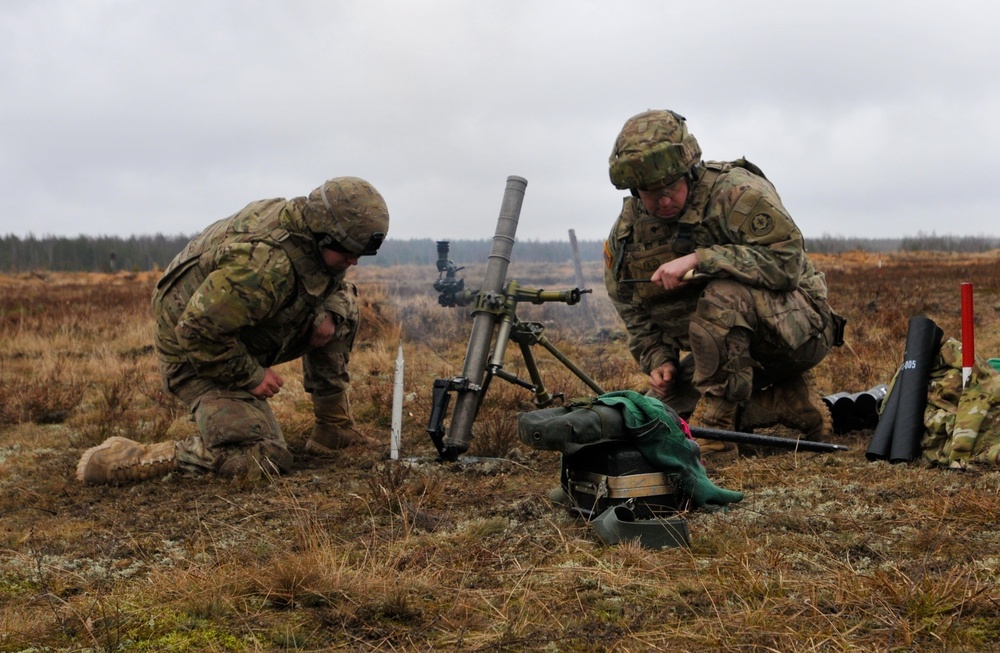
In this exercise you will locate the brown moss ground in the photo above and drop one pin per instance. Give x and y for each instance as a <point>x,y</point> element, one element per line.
<point>828,552</point>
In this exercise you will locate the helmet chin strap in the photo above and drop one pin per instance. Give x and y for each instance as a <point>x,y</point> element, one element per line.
<point>340,237</point>
<point>692,176</point>
<point>322,194</point>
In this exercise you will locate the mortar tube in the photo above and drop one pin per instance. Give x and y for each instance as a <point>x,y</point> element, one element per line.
<point>456,442</point>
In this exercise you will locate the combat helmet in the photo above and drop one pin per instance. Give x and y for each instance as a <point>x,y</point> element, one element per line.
<point>347,214</point>
<point>653,150</point>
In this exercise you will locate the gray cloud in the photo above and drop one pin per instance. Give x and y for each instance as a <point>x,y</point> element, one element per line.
<point>128,117</point>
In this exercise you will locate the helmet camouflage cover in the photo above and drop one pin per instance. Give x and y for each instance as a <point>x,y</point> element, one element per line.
<point>349,215</point>
<point>653,150</point>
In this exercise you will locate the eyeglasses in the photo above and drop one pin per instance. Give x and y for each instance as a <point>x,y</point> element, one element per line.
<point>666,191</point>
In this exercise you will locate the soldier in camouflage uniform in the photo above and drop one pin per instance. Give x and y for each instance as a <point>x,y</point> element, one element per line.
<point>262,287</point>
<point>705,259</point>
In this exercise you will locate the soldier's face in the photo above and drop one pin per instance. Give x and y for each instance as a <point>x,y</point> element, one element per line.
<point>667,202</point>
<point>337,261</point>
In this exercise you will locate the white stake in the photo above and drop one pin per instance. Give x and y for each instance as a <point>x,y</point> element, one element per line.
<point>397,407</point>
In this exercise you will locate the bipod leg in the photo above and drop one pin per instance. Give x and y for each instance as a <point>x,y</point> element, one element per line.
<point>570,365</point>
<point>542,396</point>
<point>486,386</point>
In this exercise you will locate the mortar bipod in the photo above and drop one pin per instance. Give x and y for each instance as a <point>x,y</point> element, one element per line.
<point>525,335</point>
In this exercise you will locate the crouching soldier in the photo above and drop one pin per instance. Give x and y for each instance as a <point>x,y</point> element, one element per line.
<point>704,258</point>
<point>262,287</point>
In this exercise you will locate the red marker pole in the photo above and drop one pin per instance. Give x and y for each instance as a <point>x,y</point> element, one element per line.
<point>968,334</point>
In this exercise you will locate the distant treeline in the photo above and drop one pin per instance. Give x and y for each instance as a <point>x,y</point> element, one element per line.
<point>88,253</point>
<point>920,243</point>
<point>140,253</point>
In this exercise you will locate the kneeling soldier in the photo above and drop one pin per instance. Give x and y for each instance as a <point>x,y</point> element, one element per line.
<point>262,287</point>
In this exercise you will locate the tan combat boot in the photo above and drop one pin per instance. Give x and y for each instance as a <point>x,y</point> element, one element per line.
<point>120,460</point>
<point>334,428</point>
<point>714,413</point>
<point>794,403</point>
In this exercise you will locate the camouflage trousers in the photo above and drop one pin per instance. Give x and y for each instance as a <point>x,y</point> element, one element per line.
<point>238,434</point>
<point>744,338</point>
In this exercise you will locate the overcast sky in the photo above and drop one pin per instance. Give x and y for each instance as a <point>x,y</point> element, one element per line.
<point>872,118</point>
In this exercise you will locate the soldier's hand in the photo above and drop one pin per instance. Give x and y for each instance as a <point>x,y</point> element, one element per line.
<point>670,275</point>
<point>322,332</point>
<point>661,380</point>
<point>270,386</point>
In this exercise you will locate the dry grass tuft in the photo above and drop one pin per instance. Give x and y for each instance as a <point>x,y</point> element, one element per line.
<point>47,400</point>
<point>828,552</point>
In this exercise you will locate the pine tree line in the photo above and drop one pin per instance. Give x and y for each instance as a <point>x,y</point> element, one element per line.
<point>87,253</point>
<point>140,253</point>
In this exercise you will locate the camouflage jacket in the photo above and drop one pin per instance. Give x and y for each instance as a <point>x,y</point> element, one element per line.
<point>962,423</point>
<point>242,292</point>
<point>736,224</point>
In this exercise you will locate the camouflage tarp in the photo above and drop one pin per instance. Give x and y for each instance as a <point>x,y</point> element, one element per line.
<point>962,424</point>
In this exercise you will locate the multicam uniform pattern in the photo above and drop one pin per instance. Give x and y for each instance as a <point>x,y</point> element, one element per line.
<point>241,297</point>
<point>757,302</point>
<point>962,423</point>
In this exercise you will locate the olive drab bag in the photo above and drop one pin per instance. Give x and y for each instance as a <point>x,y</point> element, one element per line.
<point>637,422</point>
<point>570,428</point>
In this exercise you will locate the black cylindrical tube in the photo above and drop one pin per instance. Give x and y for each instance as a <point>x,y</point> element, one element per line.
<point>841,410</point>
<point>866,406</point>
<point>923,339</point>
<point>765,440</point>
<point>881,442</point>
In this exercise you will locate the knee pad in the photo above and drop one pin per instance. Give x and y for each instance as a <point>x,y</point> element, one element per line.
<point>227,419</point>
<point>723,366</point>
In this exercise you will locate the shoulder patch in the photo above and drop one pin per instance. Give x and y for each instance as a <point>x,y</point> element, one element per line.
<point>761,224</point>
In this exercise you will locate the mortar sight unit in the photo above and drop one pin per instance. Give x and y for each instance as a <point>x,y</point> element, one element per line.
<point>451,290</point>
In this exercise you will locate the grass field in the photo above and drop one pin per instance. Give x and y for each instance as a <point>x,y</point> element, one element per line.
<point>827,552</point>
